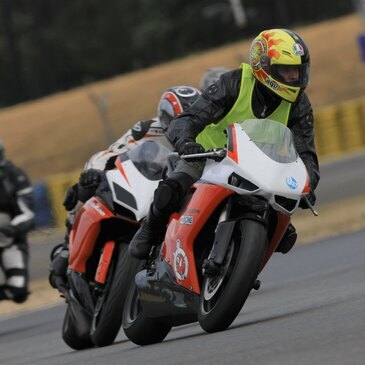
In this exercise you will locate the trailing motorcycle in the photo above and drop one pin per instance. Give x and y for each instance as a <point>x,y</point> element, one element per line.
<point>224,233</point>
<point>100,269</point>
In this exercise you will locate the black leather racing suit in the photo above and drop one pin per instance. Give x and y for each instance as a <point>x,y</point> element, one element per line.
<point>218,100</point>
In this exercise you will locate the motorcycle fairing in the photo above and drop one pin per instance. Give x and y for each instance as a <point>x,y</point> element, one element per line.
<point>178,248</point>
<point>130,188</point>
<point>85,232</point>
<point>104,262</point>
<point>232,144</point>
<point>246,160</point>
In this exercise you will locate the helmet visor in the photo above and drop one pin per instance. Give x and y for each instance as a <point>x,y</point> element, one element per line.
<point>291,75</point>
<point>166,113</point>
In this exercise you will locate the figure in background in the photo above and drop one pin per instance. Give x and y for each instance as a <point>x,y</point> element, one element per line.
<point>16,220</point>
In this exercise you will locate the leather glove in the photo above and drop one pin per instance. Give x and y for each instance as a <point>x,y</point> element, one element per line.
<point>91,177</point>
<point>190,148</point>
<point>8,230</point>
<point>312,199</point>
<point>71,197</point>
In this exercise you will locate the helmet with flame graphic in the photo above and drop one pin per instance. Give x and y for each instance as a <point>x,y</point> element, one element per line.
<point>276,51</point>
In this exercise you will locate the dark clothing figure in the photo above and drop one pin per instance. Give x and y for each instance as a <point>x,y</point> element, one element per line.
<point>16,220</point>
<point>220,98</point>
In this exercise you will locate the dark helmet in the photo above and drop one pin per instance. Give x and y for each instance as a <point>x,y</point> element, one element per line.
<point>277,51</point>
<point>174,101</point>
<point>212,76</point>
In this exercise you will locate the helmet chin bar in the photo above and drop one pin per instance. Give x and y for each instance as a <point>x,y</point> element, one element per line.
<point>273,93</point>
<point>303,78</point>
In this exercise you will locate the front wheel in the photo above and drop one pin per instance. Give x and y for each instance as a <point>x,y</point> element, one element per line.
<point>72,336</point>
<point>107,321</point>
<point>137,326</point>
<point>223,296</point>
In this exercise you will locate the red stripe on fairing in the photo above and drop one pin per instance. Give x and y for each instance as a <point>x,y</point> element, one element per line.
<point>233,154</point>
<point>145,136</point>
<point>104,262</point>
<point>119,165</point>
<point>175,102</point>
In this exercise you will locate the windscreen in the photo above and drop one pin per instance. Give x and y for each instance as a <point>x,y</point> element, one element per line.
<point>272,138</point>
<point>150,159</point>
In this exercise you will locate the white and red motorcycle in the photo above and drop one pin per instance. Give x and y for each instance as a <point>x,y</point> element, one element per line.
<point>100,267</point>
<point>225,232</point>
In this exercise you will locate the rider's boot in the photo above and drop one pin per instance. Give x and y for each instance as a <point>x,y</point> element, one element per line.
<point>167,198</point>
<point>148,234</point>
<point>288,240</point>
<point>59,263</point>
<point>17,295</point>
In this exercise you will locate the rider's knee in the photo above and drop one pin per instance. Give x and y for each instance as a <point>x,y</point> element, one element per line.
<point>171,191</point>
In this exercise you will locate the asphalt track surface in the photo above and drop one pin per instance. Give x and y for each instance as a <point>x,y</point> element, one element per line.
<point>309,310</point>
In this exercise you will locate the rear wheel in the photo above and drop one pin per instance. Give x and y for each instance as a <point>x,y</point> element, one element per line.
<point>107,319</point>
<point>71,336</point>
<point>138,328</point>
<point>223,296</point>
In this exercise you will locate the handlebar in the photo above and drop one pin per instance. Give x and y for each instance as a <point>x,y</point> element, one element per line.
<point>216,154</point>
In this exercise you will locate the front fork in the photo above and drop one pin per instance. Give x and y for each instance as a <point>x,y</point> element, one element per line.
<point>223,232</point>
<point>225,229</point>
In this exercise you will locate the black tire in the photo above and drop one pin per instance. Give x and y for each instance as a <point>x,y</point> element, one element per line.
<point>223,296</point>
<point>138,328</point>
<point>70,335</point>
<point>106,324</point>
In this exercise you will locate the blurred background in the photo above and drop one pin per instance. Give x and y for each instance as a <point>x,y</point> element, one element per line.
<point>75,75</point>
<point>47,46</point>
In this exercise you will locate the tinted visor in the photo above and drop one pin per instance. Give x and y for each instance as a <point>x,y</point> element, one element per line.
<point>291,75</point>
<point>165,119</point>
<point>166,113</point>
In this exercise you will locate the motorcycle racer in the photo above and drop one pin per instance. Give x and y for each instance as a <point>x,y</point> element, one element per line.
<point>172,102</point>
<point>271,86</point>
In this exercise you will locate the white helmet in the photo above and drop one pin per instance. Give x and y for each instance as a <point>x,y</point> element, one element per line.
<point>174,101</point>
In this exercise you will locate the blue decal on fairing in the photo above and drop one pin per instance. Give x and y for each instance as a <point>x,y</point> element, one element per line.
<point>292,183</point>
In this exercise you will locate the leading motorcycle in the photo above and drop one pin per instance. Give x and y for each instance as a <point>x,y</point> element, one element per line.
<point>221,238</point>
